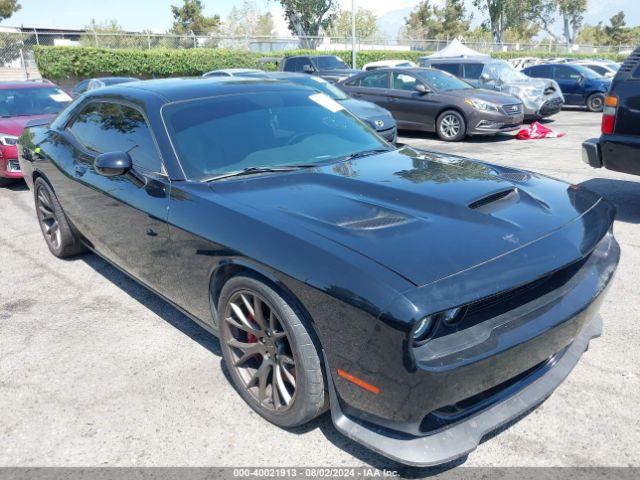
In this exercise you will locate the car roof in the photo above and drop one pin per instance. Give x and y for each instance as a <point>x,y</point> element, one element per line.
<point>179,89</point>
<point>461,59</point>
<point>236,70</point>
<point>25,84</point>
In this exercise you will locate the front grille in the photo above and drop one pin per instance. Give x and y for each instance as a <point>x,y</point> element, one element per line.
<point>551,106</point>
<point>13,166</point>
<point>549,90</point>
<point>513,109</point>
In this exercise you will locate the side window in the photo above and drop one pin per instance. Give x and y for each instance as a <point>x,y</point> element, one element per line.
<point>402,81</point>
<point>540,71</point>
<point>108,127</point>
<point>565,73</point>
<point>290,65</point>
<point>353,83</point>
<point>375,80</point>
<point>452,68</point>
<point>302,61</point>
<point>472,71</point>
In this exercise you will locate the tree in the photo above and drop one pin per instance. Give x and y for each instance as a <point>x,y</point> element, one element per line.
<point>572,15</point>
<point>419,22</point>
<point>247,21</point>
<point>522,18</point>
<point>502,14</point>
<point>8,8</point>
<point>110,35</point>
<point>366,24</point>
<point>617,32</point>
<point>451,20</point>
<point>592,35</point>
<point>189,18</point>
<point>307,18</point>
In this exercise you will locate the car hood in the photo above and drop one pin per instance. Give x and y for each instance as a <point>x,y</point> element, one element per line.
<point>369,112</point>
<point>486,95</point>
<point>422,215</point>
<point>15,125</point>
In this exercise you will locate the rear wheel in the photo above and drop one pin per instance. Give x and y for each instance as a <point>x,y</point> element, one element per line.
<point>595,102</point>
<point>451,126</point>
<point>269,352</point>
<point>60,238</point>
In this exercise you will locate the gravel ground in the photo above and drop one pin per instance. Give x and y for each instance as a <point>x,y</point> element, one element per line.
<point>96,370</point>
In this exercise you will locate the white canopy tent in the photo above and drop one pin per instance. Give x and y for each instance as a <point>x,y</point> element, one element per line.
<point>456,49</point>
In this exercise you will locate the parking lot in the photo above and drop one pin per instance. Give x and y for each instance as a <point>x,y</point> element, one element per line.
<point>96,370</point>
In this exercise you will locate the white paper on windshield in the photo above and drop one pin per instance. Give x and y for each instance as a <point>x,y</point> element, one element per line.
<point>326,102</point>
<point>60,97</point>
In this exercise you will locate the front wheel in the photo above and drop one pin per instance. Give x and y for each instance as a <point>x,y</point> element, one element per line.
<point>270,353</point>
<point>57,232</point>
<point>451,126</point>
<point>595,102</point>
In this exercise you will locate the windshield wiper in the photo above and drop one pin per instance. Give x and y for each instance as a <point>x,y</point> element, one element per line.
<point>254,170</point>
<point>366,153</point>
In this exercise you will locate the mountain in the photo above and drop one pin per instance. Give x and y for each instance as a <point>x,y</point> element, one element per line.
<point>390,22</point>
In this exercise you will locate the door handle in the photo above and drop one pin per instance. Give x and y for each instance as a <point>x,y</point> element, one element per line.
<point>80,170</point>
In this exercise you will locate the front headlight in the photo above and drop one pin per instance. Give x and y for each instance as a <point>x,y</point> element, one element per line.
<point>482,105</point>
<point>424,329</point>
<point>8,140</point>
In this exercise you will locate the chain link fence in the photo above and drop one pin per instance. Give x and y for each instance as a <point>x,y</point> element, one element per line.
<point>17,59</point>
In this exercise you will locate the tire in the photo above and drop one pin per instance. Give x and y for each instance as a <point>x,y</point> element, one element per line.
<point>57,232</point>
<point>290,340</point>
<point>5,182</point>
<point>595,102</point>
<point>451,126</point>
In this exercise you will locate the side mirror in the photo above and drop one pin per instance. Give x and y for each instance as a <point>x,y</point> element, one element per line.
<point>485,77</point>
<point>306,68</point>
<point>421,89</point>
<point>113,164</point>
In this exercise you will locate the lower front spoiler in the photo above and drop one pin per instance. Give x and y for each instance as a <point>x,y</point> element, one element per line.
<point>464,437</point>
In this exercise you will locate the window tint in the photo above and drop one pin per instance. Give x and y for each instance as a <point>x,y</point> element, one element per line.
<point>355,82</point>
<point>540,71</point>
<point>109,127</point>
<point>598,69</point>
<point>15,102</point>
<point>291,65</point>
<point>402,81</point>
<point>330,63</point>
<point>452,68</point>
<point>562,72</point>
<point>472,70</point>
<point>375,80</point>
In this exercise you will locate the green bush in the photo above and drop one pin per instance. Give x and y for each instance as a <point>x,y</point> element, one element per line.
<point>68,62</point>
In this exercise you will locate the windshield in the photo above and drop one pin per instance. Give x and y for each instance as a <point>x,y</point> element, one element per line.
<point>319,84</point>
<point>32,101</point>
<point>443,81</point>
<point>330,63</point>
<point>504,72</point>
<point>229,133</point>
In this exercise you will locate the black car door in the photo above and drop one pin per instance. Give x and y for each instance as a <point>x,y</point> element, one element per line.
<point>410,108</point>
<point>124,217</point>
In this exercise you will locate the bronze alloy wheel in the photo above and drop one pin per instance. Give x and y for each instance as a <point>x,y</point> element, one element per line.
<point>260,350</point>
<point>47,217</point>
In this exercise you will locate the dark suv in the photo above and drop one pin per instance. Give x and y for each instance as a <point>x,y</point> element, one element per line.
<point>618,147</point>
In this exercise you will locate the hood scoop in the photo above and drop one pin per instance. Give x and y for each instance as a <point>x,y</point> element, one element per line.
<point>496,200</point>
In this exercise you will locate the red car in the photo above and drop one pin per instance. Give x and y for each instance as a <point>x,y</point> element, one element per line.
<point>21,102</point>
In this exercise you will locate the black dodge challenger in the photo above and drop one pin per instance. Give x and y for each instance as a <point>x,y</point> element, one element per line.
<point>425,299</point>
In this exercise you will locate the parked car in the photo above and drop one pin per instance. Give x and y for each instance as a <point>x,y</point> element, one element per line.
<point>234,72</point>
<point>376,117</point>
<point>606,69</point>
<point>580,85</point>
<point>98,82</point>
<point>338,271</point>
<point>329,67</point>
<point>541,97</point>
<point>618,147</point>
<point>436,101</point>
<point>21,102</point>
<point>389,64</point>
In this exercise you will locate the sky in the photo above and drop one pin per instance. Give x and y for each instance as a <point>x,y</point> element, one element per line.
<point>156,15</point>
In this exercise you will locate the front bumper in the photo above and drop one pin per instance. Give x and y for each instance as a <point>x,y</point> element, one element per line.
<point>464,437</point>
<point>10,168</point>
<point>547,106</point>
<point>487,123</point>
<point>488,374</point>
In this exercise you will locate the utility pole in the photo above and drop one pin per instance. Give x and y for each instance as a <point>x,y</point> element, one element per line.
<point>353,34</point>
